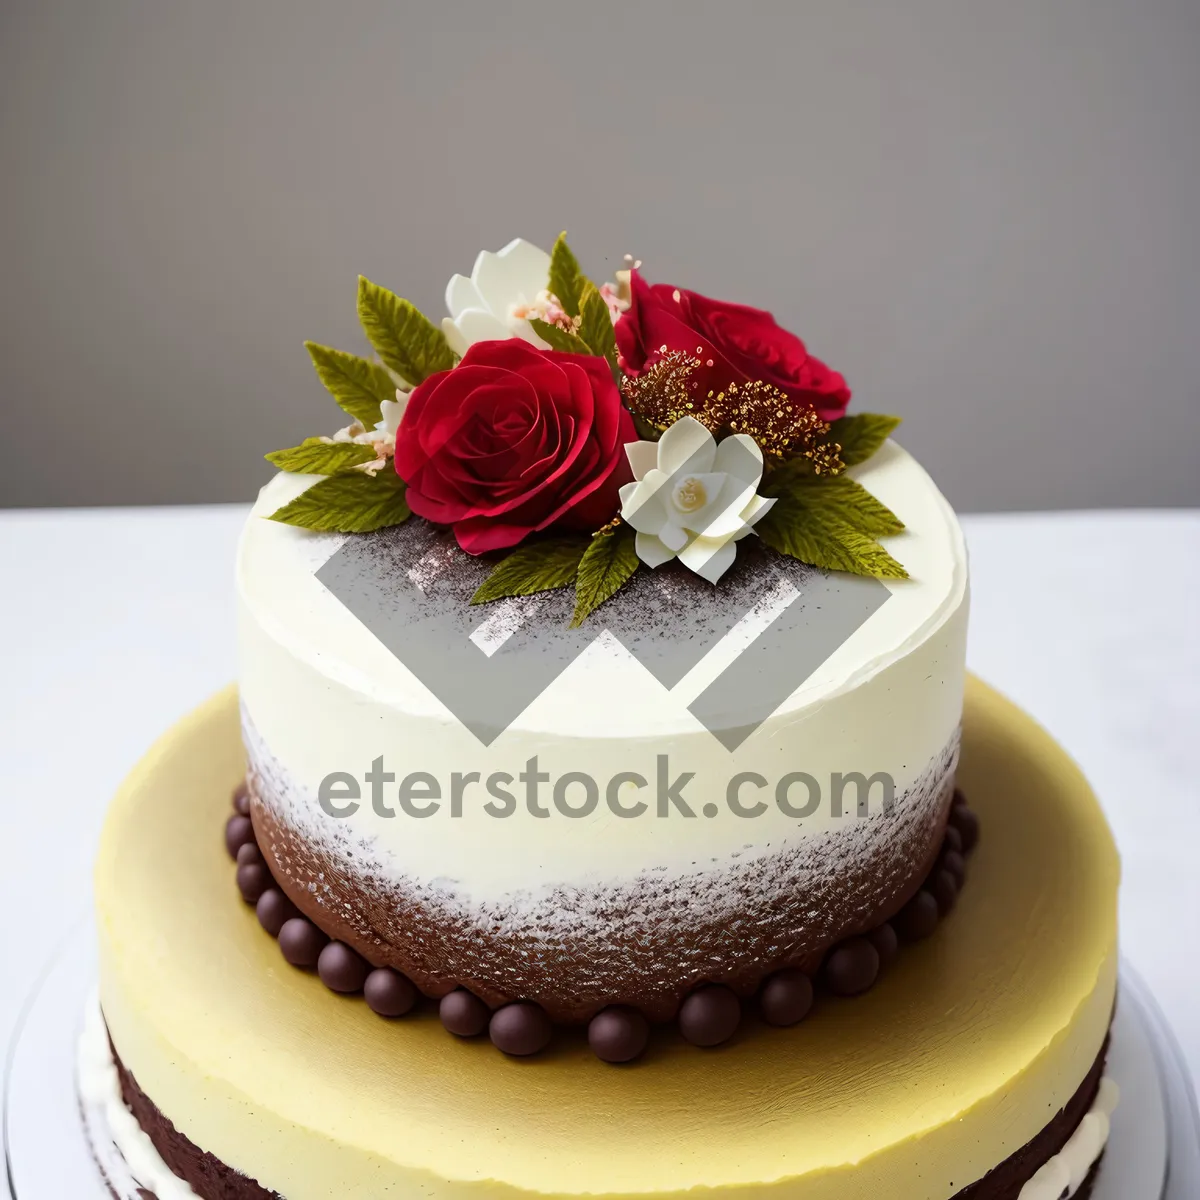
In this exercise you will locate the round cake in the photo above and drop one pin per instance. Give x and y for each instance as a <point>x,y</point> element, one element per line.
<point>966,1070</point>
<point>637,901</point>
<point>601,811</point>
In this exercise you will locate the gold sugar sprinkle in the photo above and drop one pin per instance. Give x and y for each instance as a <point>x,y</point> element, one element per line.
<point>662,394</point>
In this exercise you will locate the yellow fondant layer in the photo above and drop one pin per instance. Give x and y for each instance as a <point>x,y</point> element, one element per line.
<point>963,1052</point>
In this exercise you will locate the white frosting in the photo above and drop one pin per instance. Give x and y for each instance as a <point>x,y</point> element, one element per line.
<point>325,695</point>
<point>123,1149</point>
<point>1063,1175</point>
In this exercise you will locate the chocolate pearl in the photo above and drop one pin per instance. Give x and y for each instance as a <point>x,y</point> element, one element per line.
<point>710,1015</point>
<point>253,879</point>
<point>919,917</point>
<point>342,969</point>
<point>238,832</point>
<point>967,824</point>
<point>852,967</point>
<point>463,1013</point>
<point>249,852</point>
<point>618,1034</point>
<point>953,862</point>
<point>520,1029</point>
<point>886,943</point>
<point>241,799</point>
<point>945,890</point>
<point>388,993</point>
<point>274,909</point>
<point>952,840</point>
<point>301,942</point>
<point>786,997</point>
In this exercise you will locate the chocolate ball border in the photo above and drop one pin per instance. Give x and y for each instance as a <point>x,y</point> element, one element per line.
<point>708,1017</point>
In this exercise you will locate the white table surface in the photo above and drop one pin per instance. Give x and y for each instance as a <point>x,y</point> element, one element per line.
<point>113,623</point>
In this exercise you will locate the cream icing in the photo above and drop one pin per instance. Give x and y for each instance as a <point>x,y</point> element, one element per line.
<point>110,1124</point>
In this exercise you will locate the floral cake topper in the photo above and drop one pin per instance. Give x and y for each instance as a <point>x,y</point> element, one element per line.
<point>580,433</point>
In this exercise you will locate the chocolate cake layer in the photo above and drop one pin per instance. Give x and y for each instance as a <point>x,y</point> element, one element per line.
<point>646,943</point>
<point>212,1179</point>
<point>708,1017</point>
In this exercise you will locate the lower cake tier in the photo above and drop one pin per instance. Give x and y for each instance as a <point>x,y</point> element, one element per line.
<point>973,1069</point>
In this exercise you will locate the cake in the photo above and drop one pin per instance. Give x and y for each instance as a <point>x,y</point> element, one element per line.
<point>611,811</point>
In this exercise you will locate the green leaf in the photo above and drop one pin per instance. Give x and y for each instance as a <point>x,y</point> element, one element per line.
<point>407,341</point>
<point>557,338</point>
<point>357,384</point>
<point>844,498</point>
<point>354,502</point>
<point>607,565</point>
<point>861,434</point>
<point>832,524</point>
<point>566,277</point>
<point>596,329</point>
<point>316,457</point>
<point>825,542</point>
<point>537,567</point>
<point>857,506</point>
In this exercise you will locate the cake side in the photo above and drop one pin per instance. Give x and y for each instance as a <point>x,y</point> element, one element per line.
<point>1064,1158</point>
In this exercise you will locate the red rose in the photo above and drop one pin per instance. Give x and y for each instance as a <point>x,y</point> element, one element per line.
<point>515,440</point>
<point>740,343</point>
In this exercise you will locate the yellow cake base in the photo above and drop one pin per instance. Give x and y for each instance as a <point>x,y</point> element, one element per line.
<point>962,1053</point>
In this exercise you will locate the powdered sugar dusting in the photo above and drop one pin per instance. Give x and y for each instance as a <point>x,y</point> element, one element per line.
<point>577,947</point>
<point>505,618</point>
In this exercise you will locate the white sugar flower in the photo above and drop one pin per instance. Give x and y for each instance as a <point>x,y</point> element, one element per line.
<point>390,413</point>
<point>381,437</point>
<point>505,289</point>
<point>693,499</point>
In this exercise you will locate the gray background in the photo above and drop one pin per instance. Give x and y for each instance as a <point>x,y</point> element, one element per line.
<point>984,213</point>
